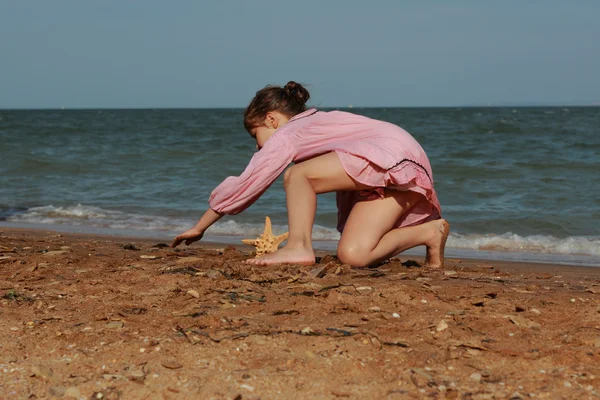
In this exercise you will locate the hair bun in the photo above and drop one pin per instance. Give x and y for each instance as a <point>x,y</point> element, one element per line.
<point>296,92</point>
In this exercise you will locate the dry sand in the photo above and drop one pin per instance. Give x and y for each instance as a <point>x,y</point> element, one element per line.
<point>115,318</point>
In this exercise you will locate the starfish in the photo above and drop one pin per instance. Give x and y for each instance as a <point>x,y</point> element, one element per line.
<point>267,242</point>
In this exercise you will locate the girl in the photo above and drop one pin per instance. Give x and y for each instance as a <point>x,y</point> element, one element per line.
<point>382,177</point>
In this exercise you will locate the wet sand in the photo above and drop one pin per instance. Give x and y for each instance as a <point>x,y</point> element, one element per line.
<point>121,318</point>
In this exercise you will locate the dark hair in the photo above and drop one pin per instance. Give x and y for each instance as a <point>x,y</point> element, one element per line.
<point>289,100</point>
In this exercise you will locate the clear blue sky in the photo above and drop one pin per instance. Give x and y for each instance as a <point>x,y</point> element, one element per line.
<point>218,53</point>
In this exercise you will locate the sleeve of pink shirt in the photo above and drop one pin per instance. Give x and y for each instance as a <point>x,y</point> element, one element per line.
<point>236,193</point>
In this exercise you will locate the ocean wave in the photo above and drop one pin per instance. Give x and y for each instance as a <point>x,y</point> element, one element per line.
<point>82,215</point>
<point>579,245</point>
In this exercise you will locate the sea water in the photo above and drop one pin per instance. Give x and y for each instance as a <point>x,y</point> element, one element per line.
<point>514,183</point>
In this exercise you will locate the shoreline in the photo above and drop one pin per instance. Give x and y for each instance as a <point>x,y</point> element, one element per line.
<point>321,246</point>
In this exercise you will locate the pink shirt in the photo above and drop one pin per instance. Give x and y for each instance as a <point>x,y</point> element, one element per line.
<point>313,133</point>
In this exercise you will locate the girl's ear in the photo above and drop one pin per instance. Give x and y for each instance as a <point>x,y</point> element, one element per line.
<point>271,121</point>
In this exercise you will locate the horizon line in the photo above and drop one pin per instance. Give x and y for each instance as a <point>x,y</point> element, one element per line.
<point>350,107</point>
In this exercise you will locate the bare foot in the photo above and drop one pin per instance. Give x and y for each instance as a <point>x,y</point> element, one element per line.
<point>435,250</point>
<point>286,255</point>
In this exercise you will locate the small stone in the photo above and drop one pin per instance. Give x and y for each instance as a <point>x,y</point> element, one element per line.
<point>188,260</point>
<point>520,308</point>
<point>306,331</point>
<point>247,387</point>
<point>57,391</point>
<point>450,273</point>
<point>374,309</point>
<point>567,384</point>
<point>193,293</point>
<point>365,289</point>
<point>318,272</point>
<point>130,246</point>
<point>41,371</point>
<point>523,322</point>
<point>475,376</point>
<point>73,392</point>
<point>54,253</point>
<point>441,326</point>
<point>148,257</point>
<point>396,315</point>
<point>137,375</point>
<point>114,325</point>
<point>171,364</point>
<point>535,311</point>
<point>338,270</point>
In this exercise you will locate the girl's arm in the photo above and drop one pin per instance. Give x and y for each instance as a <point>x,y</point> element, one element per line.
<point>196,233</point>
<point>237,193</point>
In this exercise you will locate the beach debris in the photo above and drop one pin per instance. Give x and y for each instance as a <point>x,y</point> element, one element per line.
<point>115,325</point>
<point>266,242</point>
<point>318,272</point>
<point>41,371</point>
<point>73,392</point>
<point>441,326</point>
<point>523,322</point>
<point>307,331</point>
<point>54,253</point>
<point>171,363</point>
<point>57,391</point>
<point>190,259</point>
<point>475,376</point>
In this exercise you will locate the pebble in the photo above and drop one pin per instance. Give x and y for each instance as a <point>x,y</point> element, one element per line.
<point>475,376</point>
<point>137,375</point>
<point>73,392</point>
<point>374,309</point>
<point>41,371</point>
<point>247,387</point>
<point>364,288</point>
<point>147,257</point>
<point>171,364</point>
<point>441,326</point>
<point>193,293</point>
<point>318,272</point>
<point>307,331</point>
<point>535,311</point>
<point>396,315</point>
<point>57,391</point>
<point>185,260</point>
<point>54,253</point>
<point>450,273</point>
<point>114,325</point>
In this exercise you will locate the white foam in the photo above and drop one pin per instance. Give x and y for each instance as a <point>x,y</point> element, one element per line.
<point>581,245</point>
<point>89,216</point>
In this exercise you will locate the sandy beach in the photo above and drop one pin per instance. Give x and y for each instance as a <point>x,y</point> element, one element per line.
<point>119,318</point>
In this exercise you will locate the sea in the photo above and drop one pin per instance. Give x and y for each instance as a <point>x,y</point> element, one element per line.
<point>515,183</point>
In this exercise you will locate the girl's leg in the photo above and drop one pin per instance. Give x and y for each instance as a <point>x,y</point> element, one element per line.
<point>369,237</point>
<point>302,183</point>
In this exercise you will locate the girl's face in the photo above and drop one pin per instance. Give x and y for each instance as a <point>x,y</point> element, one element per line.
<point>262,134</point>
<point>273,121</point>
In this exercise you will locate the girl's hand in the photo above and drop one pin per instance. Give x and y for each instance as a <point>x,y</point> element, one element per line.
<point>189,236</point>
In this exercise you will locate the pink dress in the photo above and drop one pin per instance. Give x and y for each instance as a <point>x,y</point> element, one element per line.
<point>375,153</point>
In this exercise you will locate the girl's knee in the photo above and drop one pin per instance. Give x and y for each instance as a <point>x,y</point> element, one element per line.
<point>288,175</point>
<point>355,255</point>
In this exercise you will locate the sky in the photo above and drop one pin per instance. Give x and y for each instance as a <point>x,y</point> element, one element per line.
<point>381,53</point>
